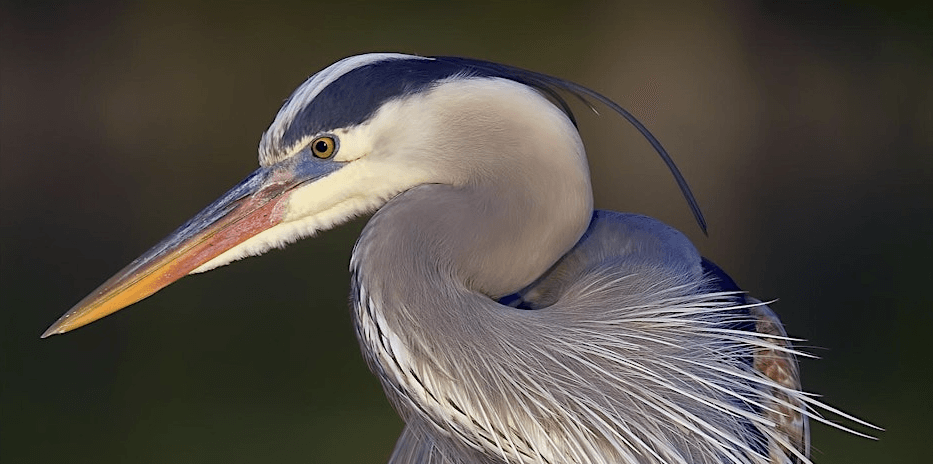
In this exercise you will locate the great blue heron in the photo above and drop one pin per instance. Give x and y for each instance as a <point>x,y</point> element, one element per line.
<point>507,320</point>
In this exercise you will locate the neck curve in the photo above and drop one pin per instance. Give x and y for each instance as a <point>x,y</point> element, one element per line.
<point>424,316</point>
<point>430,264</point>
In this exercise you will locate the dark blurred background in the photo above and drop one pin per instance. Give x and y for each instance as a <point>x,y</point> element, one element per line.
<point>804,129</point>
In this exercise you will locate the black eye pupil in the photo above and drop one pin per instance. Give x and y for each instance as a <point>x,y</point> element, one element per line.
<point>320,146</point>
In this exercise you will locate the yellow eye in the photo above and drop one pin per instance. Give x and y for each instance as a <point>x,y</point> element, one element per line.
<point>323,147</point>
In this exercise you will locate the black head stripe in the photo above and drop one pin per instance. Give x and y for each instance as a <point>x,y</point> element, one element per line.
<point>354,97</point>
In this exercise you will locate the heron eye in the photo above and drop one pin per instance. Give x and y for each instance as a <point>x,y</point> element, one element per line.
<point>323,147</point>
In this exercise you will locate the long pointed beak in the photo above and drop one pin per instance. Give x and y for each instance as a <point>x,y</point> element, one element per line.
<point>254,205</point>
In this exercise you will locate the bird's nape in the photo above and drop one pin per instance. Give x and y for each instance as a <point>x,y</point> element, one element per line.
<point>552,86</point>
<point>507,321</point>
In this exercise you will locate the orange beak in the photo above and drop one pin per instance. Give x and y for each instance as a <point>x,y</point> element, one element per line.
<point>256,204</point>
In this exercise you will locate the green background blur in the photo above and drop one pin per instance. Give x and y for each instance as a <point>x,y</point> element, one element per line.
<point>805,131</point>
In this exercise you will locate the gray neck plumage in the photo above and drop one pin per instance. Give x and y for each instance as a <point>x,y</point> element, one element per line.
<point>427,269</point>
<point>431,262</point>
<point>435,245</point>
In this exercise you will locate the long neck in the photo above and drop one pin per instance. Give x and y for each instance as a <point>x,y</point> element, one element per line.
<point>431,263</point>
<point>427,269</point>
<point>511,192</point>
<point>438,253</point>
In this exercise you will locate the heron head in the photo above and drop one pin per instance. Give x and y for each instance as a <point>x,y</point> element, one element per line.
<point>349,139</point>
